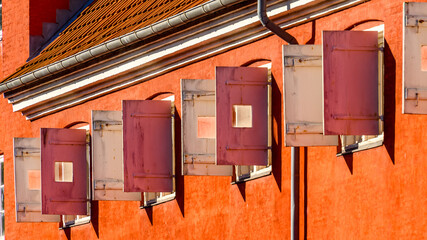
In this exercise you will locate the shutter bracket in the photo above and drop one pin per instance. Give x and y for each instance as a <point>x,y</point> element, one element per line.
<point>100,125</point>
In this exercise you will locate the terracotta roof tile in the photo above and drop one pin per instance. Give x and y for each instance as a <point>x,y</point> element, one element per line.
<point>104,20</point>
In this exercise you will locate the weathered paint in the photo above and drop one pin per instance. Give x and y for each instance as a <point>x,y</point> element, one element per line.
<point>28,182</point>
<point>423,58</point>
<point>206,127</point>
<point>69,146</point>
<point>415,58</point>
<point>199,129</point>
<point>246,87</point>
<point>350,83</point>
<point>147,146</point>
<point>381,197</point>
<point>302,84</point>
<point>107,157</point>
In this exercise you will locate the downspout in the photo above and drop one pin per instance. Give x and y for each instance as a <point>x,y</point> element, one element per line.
<point>294,194</point>
<point>266,22</point>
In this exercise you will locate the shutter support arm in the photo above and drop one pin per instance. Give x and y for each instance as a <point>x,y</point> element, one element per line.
<point>266,22</point>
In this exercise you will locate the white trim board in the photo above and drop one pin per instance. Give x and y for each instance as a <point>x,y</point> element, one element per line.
<point>219,35</point>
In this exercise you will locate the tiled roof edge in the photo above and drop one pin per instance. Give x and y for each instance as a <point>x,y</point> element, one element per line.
<point>115,44</point>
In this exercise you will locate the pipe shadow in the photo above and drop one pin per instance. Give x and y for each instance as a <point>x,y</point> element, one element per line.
<point>313,33</point>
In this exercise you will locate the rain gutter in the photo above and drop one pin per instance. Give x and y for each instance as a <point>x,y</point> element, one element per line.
<point>116,43</point>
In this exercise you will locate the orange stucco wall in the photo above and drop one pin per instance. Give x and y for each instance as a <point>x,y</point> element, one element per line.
<point>16,34</point>
<point>379,193</point>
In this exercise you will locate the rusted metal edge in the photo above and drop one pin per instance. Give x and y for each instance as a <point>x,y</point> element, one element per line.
<point>116,43</point>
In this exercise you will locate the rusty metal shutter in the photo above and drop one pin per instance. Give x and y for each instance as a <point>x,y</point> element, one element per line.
<point>242,115</point>
<point>107,157</point>
<point>415,58</point>
<point>64,171</point>
<point>147,145</point>
<point>28,181</point>
<point>198,129</point>
<point>302,84</point>
<point>350,83</point>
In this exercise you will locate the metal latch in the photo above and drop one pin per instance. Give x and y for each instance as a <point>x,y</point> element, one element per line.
<point>199,95</point>
<point>105,125</point>
<point>416,21</point>
<point>303,61</point>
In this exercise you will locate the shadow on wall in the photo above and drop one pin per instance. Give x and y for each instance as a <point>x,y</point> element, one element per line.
<point>389,101</point>
<point>276,135</point>
<point>313,33</point>
<point>94,217</point>
<point>277,140</point>
<point>149,212</point>
<point>348,158</point>
<point>179,178</point>
<point>67,232</point>
<point>242,189</point>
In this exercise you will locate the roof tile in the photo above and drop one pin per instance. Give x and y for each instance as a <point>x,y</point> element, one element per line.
<point>101,21</point>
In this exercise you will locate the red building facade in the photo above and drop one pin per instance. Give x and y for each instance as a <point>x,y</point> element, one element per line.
<point>370,190</point>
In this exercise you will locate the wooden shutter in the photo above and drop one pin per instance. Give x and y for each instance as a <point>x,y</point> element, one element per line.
<point>107,157</point>
<point>147,144</point>
<point>198,129</point>
<point>350,83</point>
<point>302,84</point>
<point>242,115</point>
<point>415,58</point>
<point>64,171</point>
<point>28,181</point>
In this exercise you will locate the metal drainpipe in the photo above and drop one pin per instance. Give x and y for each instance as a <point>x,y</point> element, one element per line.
<point>266,22</point>
<point>294,198</point>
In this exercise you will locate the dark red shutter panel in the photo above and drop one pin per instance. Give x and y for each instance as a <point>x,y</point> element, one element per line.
<point>350,63</point>
<point>242,92</point>
<point>147,146</point>
<point>64,146</point>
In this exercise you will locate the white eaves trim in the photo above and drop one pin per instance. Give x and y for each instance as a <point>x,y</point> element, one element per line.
<point>216,36</point>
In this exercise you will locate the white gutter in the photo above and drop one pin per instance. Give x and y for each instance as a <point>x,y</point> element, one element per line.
<point>116,43</point>
<point>148,61</point>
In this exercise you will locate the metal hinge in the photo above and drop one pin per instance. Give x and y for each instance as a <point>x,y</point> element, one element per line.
<point>303,61</point>
<point>27,152</point>
<point>100,125</point>
<point>417,94</point>
<point>416,21</point>
<point>199,95</point>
